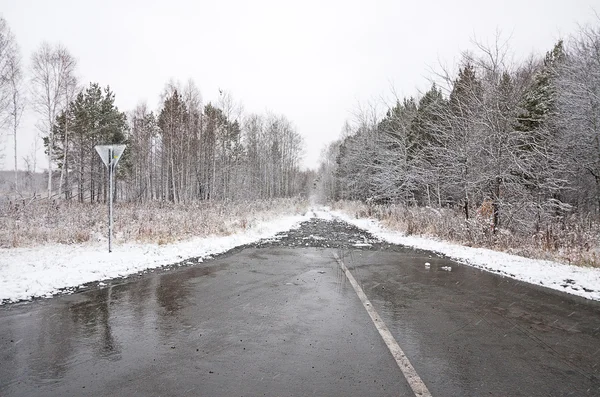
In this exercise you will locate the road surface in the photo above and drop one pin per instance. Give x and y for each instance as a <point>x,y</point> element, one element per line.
<point>281,318</point>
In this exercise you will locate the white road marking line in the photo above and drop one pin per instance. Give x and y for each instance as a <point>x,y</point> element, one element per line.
<point>413,379</point>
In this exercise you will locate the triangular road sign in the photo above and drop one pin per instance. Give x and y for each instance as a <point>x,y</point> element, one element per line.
<point>117,152</point>
<point>104,150</point>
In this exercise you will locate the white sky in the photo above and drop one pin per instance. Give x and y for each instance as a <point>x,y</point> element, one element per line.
<point>311,60</point>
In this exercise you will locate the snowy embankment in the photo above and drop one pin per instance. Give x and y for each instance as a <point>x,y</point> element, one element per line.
<point>581,281</point>
<point>43,271</point>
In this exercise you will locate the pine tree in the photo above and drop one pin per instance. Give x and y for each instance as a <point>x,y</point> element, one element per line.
<point>540,100</point>
<point>427,119</point>
<point>93,119</point>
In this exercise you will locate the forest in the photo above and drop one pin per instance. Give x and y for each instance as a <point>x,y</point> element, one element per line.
<point>190,168</point>
<point>185,150</point>
<point>498,152</point>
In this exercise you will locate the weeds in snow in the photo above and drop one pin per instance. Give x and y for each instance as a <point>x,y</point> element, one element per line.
<point>574,240</point>
<point>33,222</point>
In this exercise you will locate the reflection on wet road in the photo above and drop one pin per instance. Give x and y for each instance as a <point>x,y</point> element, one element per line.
<point>45,340</point>
<point>277,319</point>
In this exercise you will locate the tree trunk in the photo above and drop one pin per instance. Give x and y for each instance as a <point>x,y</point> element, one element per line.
<point>495,207</point>
<point>65,160</point>
<point>50,147</point>
<point>16,121</point>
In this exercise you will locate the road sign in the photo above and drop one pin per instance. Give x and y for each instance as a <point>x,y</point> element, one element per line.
<point>110,155</point>
<point>104,152</point>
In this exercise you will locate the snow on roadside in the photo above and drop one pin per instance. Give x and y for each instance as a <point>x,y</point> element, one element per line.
<point>43,271</point>
<point>581,281</point>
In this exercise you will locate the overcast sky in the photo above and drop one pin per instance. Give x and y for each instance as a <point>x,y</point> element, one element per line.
<point>311,60</point>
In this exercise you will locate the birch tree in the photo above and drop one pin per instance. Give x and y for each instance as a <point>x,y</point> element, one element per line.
<point>12,101</point>
<point>51,69</point>
<point>70,88</point>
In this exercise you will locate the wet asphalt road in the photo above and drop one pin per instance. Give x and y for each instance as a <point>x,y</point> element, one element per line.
<point>280,319</point>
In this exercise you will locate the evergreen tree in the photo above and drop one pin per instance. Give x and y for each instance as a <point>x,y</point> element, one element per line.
<point>540,99</point>
<point>427,119</point>
<point>93,119</point>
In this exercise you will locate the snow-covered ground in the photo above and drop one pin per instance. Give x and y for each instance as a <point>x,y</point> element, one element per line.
<point>574,280</point>
<point>43,271</point>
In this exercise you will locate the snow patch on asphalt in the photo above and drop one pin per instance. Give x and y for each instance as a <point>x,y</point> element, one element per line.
<point>43,271</point>
<point>313,237</point>
<point>362,245</point>
<point>581,281</point>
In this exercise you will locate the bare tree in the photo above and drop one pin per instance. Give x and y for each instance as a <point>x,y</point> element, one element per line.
<point>142,148</point>
<point>578,114</point>
<point>17,104</point>
<point>11,76</point>
<point>6,50</point>
<point>70,89</point>
<point>52,69</point>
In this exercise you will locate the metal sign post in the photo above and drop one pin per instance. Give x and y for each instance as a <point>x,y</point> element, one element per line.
<point>110,155</point>
<point>110,198</point>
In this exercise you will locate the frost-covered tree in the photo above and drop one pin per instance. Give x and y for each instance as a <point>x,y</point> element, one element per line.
<point>501,135</point>
<point>458,148</point>
<point>578,115</point>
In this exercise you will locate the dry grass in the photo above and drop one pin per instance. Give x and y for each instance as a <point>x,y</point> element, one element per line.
<point>26,223</point>
<point>575,240</point>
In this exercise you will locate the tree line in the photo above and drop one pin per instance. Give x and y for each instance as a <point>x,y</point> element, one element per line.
<point>190,151</point>
<point>520,140</point>
<point>186,150</point>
